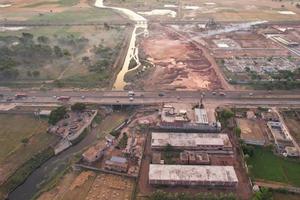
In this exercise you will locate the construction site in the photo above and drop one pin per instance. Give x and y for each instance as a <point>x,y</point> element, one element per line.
<point>176,63</point>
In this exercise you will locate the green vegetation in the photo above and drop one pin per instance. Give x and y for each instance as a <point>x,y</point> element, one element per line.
<point>224,116</point>
<point>78,107</point>
<point>25,170</point>
<point>57,114</point>
<point>265,165</point>
<point>262,194</point>
<point>92,14</point>
<point>123,142</point>
<point>58,2</point>
<point>161,195</point>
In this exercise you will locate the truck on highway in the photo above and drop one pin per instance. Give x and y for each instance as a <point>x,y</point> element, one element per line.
<point>222,94</point>
<point>20,95</point>
<point>63,98</point>
<point>131,93</point>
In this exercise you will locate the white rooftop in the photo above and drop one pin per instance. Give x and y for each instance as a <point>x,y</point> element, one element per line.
<point>189,139</point>
<point>192,173</point>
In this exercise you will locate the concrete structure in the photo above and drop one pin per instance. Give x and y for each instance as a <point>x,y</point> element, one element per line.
<point>211,176</point>
<point>191,141</point>
<point>194,158</point>
<point>270,116</point>
<point>116,163</point>
<point>182,117</point>
<point>292,152</point>
<point>201,116</point>
<point>95,152</point>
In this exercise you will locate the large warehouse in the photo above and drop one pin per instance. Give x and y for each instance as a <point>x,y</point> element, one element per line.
<point>191,141</point>
<point>203,175</point>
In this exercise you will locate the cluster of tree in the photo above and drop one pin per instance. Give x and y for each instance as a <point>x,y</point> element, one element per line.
<point>247,149</point>
<point>57,114</point>
<point>161,195</point>
<point>78,107</point>
<point>263,194</point>
<point>224,115</point>
<point>28,53</point>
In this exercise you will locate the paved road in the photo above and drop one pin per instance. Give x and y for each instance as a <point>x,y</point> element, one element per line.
<point>151,97</point>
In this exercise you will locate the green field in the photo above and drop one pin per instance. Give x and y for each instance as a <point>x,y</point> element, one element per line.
<point>14,150</point>
<point>58,2</point>
<point>265,165</point>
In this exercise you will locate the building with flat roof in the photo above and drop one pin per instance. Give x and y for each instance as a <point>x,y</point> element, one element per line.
<point>116,163</point>
<point>202,175</point>
<point>191,141</point>
<point>182,117</point>
<point>95,152</point>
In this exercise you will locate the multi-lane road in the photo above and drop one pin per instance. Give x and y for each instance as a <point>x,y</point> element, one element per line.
<point>152,97</point>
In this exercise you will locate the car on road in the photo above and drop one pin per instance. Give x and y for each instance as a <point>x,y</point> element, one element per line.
<point>9,99</point>
<point>222,94</point>
<point>131,93</point>
<point>161,94</point>
<point>214,93</point>
<point>82,97</point>
<point>131,99</point>
<point>63,98</point>
<point>250,94</point>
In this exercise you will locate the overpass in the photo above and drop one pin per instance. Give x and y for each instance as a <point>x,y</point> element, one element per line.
<point>291,98</point>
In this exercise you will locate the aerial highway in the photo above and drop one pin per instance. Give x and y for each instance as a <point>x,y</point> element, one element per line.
<point>152,97</point>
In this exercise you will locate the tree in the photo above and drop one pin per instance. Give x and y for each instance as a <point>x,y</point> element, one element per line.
<point>263,194</point>
<point>58,52</point>
<point>43,39</point>
<point>57,114</point>
<point>36,73</point>
<point>78,107</point>
<point>237,131</point>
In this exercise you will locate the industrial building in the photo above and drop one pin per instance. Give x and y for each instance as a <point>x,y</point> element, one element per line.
<point>192,141</point>
<point>202,175</point>
<point>183,117</point>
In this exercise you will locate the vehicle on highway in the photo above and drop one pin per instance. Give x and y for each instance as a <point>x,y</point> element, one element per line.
<point>131,99</point>
<point>82,97</point>
<point>1,95</point>
<point>250,94</point>
<point>20,95</point>
<point>161,94</point>
<point>214,93</point>
<point>54,97</point>
<point>131,93</point>
<point>222,94</point>
<point>9,99</point>
<point>63,98</point>
<point>178,97</point>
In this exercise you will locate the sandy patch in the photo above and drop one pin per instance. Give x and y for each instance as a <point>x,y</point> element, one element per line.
<point>169,13</point>
<point>286,12</point>
<point>3,29</point>
<point>81,179</point>
<point>5,5</point>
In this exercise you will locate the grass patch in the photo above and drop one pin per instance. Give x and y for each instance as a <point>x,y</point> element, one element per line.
<point>267,166</point>
<point>82,15</point>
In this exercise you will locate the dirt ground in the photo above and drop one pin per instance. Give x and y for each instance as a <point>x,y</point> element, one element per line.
<point>179,64</point>
<point>108,186</point>
<point>243,189</point>
<point>249,43</point>
<point>292,120</point>
<point>88,185</point>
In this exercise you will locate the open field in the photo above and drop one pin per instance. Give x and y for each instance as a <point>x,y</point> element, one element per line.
<point>61,11</point>
<point>292,120</point>
<point>22,137</point>
<point>178,64</point>
<point>220,10</point>
<point>88,185</point>
<point>84,56</point>
<point>267,166</point>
